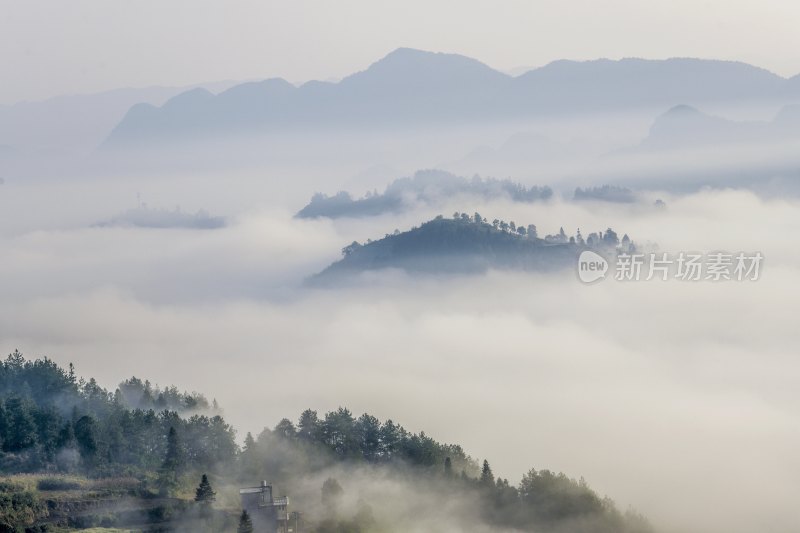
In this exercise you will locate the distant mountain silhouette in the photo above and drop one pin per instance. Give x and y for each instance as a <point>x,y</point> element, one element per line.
<point>787,121</point>
<point>794,84</point>
<point>146,217</point>
<point>687,149</point>
<point>403,86</point>
<point>80,121</point>
<point>635,83</point>
<point>428,187</point>
<point>686,127</point>
<point>605,193</point>
<point>416,87</point>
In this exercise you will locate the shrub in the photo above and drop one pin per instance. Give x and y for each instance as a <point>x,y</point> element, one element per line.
<point>57,483</point>
<point>19,508</point>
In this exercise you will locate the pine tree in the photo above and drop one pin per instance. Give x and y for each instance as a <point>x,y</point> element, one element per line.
<point>308,426</point>
<point>448,467</point>
<point>204,493</point>
<point>86,436</point>
<point>3,422</point>
<point>487,477</point>
<point>21,429</point>
<point>245,524</point>
<point>171,468</point>
<point>249,442</point>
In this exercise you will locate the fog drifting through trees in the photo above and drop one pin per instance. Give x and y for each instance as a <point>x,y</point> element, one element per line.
<point>559,361</point>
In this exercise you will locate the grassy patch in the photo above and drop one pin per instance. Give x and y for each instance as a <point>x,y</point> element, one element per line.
<point>58,483</point>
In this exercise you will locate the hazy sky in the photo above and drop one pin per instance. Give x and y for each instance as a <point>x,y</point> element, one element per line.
<point>49,48</point>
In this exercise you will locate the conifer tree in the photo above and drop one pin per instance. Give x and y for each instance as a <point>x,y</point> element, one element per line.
<point>487,477</point>
<point>204,493</point>
<point>171,468</point>
<point>21,429</point>
<point>245,523</point>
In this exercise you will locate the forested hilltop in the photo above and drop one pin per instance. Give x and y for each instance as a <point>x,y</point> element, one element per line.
<point>470,244</point>
<point>426,187</point>
<point>75,455</point>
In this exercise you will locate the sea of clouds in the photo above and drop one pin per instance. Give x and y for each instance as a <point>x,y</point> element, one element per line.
<point>677,398</point>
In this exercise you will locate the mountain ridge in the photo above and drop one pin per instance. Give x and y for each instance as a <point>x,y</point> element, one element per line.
<point>410,86</point>
<point>686,126</point>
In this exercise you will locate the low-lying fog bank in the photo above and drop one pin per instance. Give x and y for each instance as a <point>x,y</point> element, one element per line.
<point>678,398</point>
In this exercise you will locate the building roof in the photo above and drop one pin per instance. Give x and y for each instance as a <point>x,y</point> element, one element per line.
<point>253,490</point>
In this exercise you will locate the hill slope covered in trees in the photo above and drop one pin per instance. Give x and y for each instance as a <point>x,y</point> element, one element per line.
<point>466,244</point>
<point>427,187</point>
<point>133,457</point>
